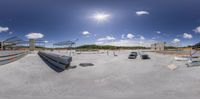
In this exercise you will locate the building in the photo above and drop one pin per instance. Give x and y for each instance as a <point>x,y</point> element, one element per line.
<point>158,46</point>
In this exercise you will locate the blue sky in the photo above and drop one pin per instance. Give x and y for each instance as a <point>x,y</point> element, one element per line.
<point>128,22</point>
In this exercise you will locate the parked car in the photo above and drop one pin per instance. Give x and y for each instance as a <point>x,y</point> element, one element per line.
<point>133,55</point>
<point>144,56</point>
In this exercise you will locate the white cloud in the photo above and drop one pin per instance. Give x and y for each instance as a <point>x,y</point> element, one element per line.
<point>187,36</point>
<point>86,33</point>
<point>46,41</point>
<point>130,36</point>
<point>10,33</point>
<point>140,13</point>
<point>128,42</point>
<point>34,35</point>
<point>197,30</point>
<point>176,40</point>
<point>158,32</point>
<point>123,36</point>
<point>99,43</point>
<point>142,38</point>
<point>107,38</point>
<point>3,29</point>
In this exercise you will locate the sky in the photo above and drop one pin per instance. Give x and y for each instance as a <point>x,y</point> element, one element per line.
<point>102,22</point>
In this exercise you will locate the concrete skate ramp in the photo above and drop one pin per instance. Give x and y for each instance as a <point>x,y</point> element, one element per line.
<point>110,78</point>
<point>20,78</point>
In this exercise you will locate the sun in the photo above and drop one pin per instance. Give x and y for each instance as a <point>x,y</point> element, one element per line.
<point>101,17</point>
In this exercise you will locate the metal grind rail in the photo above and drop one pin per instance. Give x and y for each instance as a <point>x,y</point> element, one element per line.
<point>11,56</point>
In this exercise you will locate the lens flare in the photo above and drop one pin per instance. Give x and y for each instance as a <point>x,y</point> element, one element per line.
<point>101,17</point>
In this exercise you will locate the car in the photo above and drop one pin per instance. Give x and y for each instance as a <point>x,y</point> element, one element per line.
<point>132,55</point>
<point>144,56</point>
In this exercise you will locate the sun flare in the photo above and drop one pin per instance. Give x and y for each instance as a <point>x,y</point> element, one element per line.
<point>101,17</point>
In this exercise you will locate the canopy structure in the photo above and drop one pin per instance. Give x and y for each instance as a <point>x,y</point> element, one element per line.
<point>11,43</point>
<point>37,43</point>
<point>13,40</point>
<point>197,46</point>
<point>40,43</point>
<point>65,43</point>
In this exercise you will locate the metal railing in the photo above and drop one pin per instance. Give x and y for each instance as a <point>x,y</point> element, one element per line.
<point>11,56</point>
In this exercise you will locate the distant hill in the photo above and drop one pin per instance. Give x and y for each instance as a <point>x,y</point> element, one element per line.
<point>109,47</point>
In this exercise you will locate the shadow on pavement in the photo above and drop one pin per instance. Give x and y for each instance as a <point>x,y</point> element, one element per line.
<point>86,64</point>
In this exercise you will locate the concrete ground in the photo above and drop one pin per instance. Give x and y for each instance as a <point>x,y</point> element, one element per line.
<point>111,77</point>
